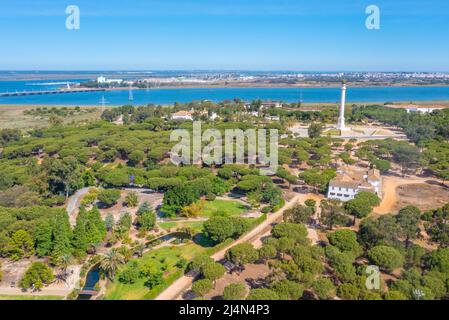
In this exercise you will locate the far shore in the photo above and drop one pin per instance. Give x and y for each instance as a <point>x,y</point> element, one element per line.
<point>264,85</point>
<point>246,85</point>
<point>305,104</point>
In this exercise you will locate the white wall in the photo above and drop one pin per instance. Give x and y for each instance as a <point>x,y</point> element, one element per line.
<point>342,194</point>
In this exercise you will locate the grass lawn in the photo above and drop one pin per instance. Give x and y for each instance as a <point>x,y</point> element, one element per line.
<point>197,226</point>
<point>223,208</point>
<point>20,297</point>
<point>333,132</point>
<point>161,259</point>
<point>158,260</point>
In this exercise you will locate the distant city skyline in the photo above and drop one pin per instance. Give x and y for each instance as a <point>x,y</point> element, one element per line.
<point>244,35</point>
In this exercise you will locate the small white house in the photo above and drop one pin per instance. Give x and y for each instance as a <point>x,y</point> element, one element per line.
<point>188,115</point>
<point>375,180</point>
<point>182,115</point>
<point>114,80</point>
<point>265,105</point>
<point>348,184</point>
<point>101,79</point>
<point>271,104</point>
<point>423,110</point>
<point>342,190</point>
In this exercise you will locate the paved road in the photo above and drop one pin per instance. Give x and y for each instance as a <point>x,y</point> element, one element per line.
<point>73,204</point>
<point>182,284</point>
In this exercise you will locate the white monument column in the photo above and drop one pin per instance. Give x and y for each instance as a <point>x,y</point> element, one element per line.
<point>341,119</point>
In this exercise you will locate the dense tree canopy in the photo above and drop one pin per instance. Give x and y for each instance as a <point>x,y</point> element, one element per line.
<point>234,291</point>
<point>386,257</point>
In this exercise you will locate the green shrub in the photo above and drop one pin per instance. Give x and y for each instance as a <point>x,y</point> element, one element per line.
<point>37,276</point>
<point>109,197</point>
<point>387,258</point>
<point>234,291</point>
<point>201,287</point>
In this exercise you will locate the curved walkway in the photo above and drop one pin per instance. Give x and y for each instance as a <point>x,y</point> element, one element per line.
<point>73,204</point>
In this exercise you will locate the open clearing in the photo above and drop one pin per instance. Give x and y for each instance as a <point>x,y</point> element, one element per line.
<point>252,272</point>
<point>196,226</point>
<point>425,193</point>
<point>424,196</point>
<point>223,208</point>
<point>12,117</point>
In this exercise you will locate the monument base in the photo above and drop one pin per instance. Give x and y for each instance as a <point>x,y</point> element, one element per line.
<point>341,124</point>
<point>363,133</point>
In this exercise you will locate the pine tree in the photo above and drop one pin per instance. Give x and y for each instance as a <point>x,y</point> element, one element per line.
<point>43,238</point>
<point>95,218</point>
<point>92,233</point>
<point>62,235</point>
<point>79,240</point>
<point>23,244</point>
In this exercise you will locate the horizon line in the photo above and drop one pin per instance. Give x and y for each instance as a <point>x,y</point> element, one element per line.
<point>223,70</point>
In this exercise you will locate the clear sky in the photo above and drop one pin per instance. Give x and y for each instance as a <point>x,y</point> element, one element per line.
<point>310,35</point>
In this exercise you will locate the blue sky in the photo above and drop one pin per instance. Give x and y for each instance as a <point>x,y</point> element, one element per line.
<point>225,34</point>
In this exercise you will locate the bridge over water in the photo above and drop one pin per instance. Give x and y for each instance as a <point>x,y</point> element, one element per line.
<point>88,292</point>
<point>43,92</point>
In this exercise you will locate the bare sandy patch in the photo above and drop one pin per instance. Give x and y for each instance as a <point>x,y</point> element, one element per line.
<point>252,273</point>
<point>398,192</point>
<point>424,196</point>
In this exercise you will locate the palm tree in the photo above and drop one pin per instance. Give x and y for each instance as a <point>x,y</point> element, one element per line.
<point>111,262</point>
<point>64,263</point>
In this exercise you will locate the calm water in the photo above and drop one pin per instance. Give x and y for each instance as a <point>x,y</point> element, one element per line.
<point>34,85</point>
<point>169,96</point>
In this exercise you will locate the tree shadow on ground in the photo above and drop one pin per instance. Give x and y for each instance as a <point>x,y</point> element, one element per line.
<point>203,241</point>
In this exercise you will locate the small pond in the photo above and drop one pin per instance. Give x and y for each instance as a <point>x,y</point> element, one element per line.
<point>92,279</point>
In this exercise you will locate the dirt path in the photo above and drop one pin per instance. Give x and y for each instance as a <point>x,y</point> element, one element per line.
<point>55,289</point>
<point>254,236</point>
<point>44,292</point>
<point>13,272</point>
<point>313,236</point>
